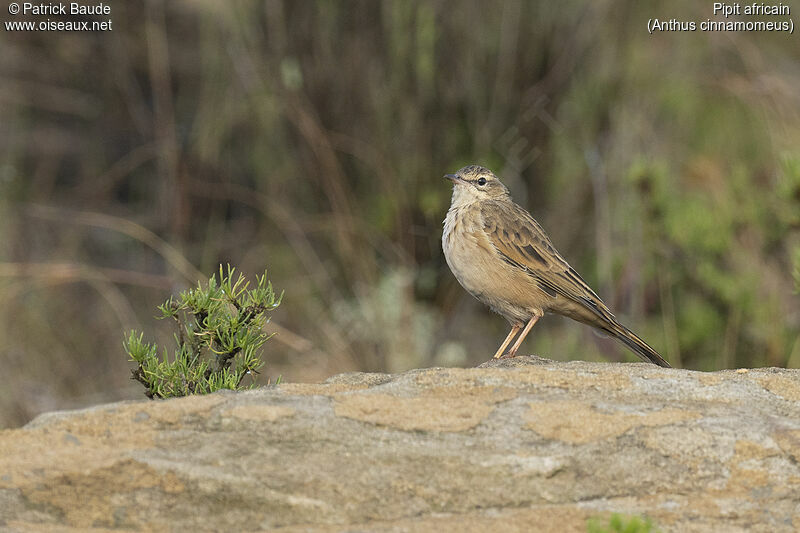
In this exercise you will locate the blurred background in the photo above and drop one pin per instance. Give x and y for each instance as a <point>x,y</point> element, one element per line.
<point>310,139</point>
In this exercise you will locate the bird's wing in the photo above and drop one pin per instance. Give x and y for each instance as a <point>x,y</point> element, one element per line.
<point>522,243</point>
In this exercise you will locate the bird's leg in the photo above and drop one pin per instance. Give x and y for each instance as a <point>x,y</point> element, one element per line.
<point>513,351</point>
<point>499,352</point>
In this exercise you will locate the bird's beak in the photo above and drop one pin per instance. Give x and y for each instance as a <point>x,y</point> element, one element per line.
<point>452,177</point>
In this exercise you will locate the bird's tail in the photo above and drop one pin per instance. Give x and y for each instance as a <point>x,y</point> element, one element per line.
<point>632,341</point>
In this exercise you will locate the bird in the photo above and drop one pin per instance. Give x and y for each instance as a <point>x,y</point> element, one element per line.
<point>501,255</point>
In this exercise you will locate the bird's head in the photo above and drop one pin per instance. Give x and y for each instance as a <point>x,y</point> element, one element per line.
<point>474,183</point>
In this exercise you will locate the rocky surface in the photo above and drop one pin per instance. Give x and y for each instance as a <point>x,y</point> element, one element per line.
<point>519,445</point>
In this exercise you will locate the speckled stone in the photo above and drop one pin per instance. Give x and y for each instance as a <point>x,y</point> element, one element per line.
<point>516,445</point>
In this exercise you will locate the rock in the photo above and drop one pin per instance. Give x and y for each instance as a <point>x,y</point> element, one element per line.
<point>517,445</point>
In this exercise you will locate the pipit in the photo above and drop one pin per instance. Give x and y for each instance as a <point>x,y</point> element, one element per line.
<point>503,257</point>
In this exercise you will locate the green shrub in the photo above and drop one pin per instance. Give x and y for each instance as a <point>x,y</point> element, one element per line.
<point>220,334</point>
<point>621,524</point>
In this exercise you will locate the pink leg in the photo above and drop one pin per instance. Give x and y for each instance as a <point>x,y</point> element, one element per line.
<point>513,351</point>
<point>499,352</point>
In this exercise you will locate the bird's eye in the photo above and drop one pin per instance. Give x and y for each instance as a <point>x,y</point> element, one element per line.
<point>482,181</point>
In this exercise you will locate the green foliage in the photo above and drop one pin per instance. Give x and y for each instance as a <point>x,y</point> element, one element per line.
<point>220,334</point>
<point>722,246</point>
<point>796,271</point>
<point>789,192</point>
<point>621,524</point>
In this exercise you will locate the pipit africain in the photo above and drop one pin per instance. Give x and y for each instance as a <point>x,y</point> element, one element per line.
<point>503,257</point>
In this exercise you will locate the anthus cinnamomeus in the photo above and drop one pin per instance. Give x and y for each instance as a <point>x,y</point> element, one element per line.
<point>503,257</point>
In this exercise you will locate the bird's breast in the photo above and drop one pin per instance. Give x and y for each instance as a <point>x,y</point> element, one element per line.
<point>480,270</point>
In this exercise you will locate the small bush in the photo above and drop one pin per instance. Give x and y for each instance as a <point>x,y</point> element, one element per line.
<point>618,523</point>
<point>220,334</point>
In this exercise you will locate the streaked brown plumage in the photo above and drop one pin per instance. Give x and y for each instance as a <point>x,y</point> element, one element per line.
<point>503,257</point>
